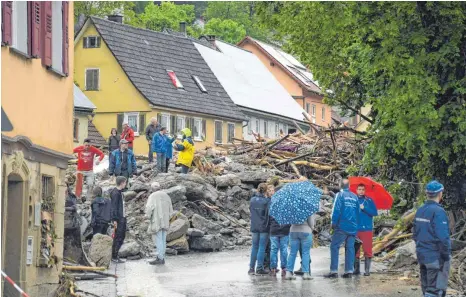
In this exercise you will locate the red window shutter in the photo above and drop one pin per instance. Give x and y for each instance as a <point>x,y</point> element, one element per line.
<point>46,30</point>
<point>7,7</point>
<point>35,28</point>
<point>65,12</point>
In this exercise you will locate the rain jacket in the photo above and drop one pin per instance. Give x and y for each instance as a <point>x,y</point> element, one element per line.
<point>101,210</point>
<point>159,209</point>
<point>159,143</point>
<point>431,233</point>
<point>278,230</point>
<point>186,149</point>
<point>128,135</point>
<point>345,213</point>
<point>115,163</point>
<point>259,207</point>
<point>366,215</point>
<point>169,147</point>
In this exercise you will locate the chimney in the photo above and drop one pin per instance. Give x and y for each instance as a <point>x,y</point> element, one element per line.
<point>115,18</point>
<point>211,39</point>
<point>183,28</point>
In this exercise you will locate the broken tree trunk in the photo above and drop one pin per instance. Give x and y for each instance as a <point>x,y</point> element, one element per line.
<point>294,159</point>
<point>314,165</point>
<point>83,268</point>
<point>380,246</point>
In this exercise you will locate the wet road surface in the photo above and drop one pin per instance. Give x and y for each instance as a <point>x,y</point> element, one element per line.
<point>225,274</point>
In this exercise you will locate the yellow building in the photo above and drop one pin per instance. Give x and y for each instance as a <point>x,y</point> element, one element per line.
<point>37,96</point>
<point>133,74</point>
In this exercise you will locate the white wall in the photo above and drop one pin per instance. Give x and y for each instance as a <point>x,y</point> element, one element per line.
<point>271,132</point>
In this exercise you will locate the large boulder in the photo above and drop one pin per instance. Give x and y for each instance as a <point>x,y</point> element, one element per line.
<point>207,243</point>
<point>205,225</point>
<point>228,180</point>
<point>192,232</point>
<point>129,249</point>
<point>254,177</point>
<point>100,251</point>
<point>180,245</point>
<point>129,195</point>
<point>177,193</point>
<point>211,194</point>
<point>405,255</point>
<point>177,229</point>
<point>197,188</point>
<point>139,187</point>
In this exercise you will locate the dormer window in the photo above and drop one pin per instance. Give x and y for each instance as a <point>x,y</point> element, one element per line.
<point>91,42</point>
<point>176,82</point>
<point>199,84</point>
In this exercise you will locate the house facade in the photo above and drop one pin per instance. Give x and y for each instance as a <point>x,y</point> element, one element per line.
<point>294,77</point>
<point>270,111</point>
<point>132,75</point>
<point>37,96</point>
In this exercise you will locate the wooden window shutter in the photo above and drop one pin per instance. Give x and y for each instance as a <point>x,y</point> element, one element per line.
<point>85,42</point>
<point>7,8</point>
<point>46,30</point>
<point>172,124</point>
<point>120,118</point>
<point>98,41</point>
<point>65,14</point>
<point>204,130</point>
<point>142,123</point>
<point>35,9</point>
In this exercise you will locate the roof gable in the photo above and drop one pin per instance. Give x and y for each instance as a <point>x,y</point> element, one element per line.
<point>81,100</point>
<point>145,56</point>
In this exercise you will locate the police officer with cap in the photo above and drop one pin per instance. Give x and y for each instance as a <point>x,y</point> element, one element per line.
<point>433,246</point>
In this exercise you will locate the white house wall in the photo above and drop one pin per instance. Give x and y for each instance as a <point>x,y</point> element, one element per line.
<point>251,126</point>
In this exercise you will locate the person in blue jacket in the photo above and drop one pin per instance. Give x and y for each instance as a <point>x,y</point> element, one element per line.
<point>168,150</point>
<point>365,226</point>
<point>159,147</point>
<point>259,207</point>
<point>122,161</point>
<point>433,246</point>
<point>345,215</point>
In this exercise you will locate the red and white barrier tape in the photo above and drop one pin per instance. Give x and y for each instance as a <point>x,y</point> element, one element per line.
<point>14,284</point>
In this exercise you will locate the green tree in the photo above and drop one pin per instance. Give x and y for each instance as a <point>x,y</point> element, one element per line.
<point>405,59</point>
<point>227,30</point>
<point>103,8</point>
<point>167,15</point>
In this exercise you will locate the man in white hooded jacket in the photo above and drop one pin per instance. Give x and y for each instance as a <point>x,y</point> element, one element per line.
<point>159,210</point>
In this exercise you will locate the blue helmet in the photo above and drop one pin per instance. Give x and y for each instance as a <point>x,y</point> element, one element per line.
<point>434,187</point>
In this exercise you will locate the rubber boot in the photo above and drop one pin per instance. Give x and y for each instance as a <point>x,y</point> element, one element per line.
<point>367,266</point>
<point>357,267</point>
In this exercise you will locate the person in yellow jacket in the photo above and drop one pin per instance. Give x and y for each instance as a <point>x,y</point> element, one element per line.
<point>186,149</point>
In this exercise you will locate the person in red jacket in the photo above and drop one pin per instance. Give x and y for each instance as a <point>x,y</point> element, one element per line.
<point>128,135</point>
<point>86,154</point>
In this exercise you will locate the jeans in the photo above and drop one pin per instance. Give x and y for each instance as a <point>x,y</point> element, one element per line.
<point>168,164</point>
<point>184,169</point>
<point>120,235</point>
<point>161,162</point>
<point>434,278</point>
<point>151,153</point>
<point>338,238</point>
<point>259,241</point>
<point>278,243</point>
<point>303,240</point>
<point>160,239</point>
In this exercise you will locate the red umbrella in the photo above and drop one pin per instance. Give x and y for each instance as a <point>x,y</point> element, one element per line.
<point>374,190</point>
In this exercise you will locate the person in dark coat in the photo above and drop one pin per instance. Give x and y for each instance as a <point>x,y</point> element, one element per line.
<point>259,207</point>
<point>113,141</point>
<point>101,212</point>
<point>122,161</point>
<point>151,129</point>
<point>118,217</point>
<point>433,246</point>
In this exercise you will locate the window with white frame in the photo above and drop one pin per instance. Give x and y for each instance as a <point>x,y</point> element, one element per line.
<point>218,131</point>
<point>198,82</point>
<point>180,125</point>
<point>323,113</point>
<point>266,128</point>
<point>313,114</point>
<point>20,26</point>
<point>92,79</point>
<point>308,107</point>
<point>249,126</point>
<point>165,120</point>
<point>91,42</point>
<point>277,130</point>
<point>132,118</point>
<point>231,132</point>
<point>285,129</point>
<point>257,126</point>
<point>197,129</point>
<point>57,36</point>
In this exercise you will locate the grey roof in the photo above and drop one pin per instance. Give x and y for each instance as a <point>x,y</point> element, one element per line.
<point>6,124</point>
<point>146,55</point>
<point>80,100</point>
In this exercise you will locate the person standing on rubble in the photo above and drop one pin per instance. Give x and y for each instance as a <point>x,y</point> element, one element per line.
<point>151,129</point>
<point>128,135</point>
<point>86,154</point>
<point>259,208</point>
<point>101,212</point>
<point>186,149</point>
<point>365,226</point>
<point>433,246</point>
<point>113,141</point>
<point>159,210</point>
<point>122,161</point>
<point>159,147</point>
<point>345,216</point>
<point>118,217</point>
<point>168,150</point>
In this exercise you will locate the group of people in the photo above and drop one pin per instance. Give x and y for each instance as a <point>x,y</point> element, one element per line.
<point>352,225</point>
